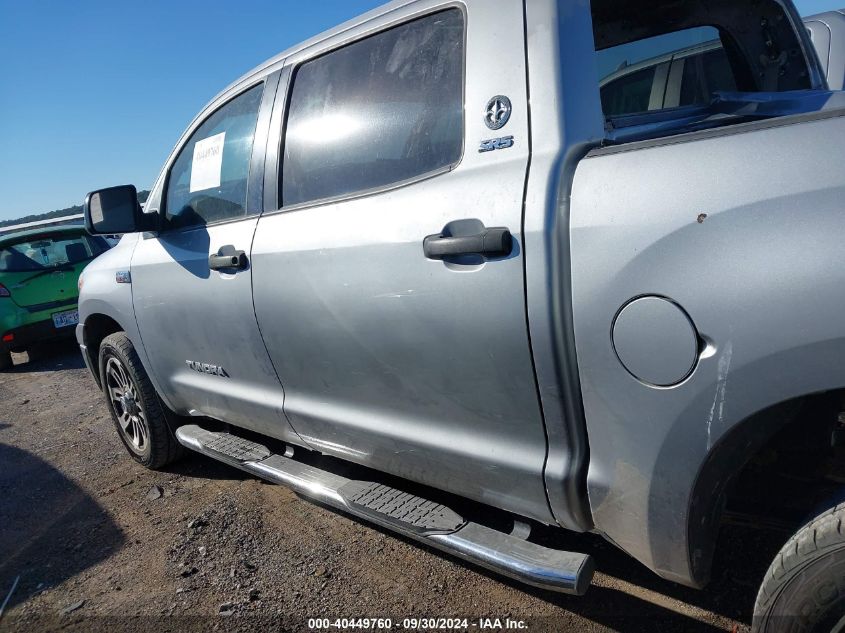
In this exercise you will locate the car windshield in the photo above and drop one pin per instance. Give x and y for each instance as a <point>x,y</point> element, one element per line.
<point>46,252</point>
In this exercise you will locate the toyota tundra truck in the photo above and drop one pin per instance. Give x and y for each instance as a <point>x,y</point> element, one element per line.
<point>410,269</point>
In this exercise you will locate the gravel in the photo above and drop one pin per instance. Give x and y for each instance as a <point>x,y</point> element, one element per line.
<point>100,543</point>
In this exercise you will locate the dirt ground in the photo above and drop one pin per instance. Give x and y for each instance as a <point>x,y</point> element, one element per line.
<point>96,542</point>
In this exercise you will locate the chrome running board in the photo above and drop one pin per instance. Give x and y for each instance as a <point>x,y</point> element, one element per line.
<point>410,515</point>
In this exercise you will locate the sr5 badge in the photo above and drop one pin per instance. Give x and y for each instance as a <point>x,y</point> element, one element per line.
<point>503,142</point>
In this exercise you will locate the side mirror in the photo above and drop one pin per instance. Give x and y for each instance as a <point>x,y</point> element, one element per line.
<point>116,210</point>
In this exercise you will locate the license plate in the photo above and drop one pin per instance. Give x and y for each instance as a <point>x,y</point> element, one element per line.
<point>65,319</point>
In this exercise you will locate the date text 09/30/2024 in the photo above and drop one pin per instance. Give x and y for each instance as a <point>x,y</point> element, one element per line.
<point>386,624</point>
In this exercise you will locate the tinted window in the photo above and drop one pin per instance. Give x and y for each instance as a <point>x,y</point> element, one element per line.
<point>704,74</point>
<point>628,93</point>
<point>626,72</point>
<point>49,251</point>
<point>379,111</point>
<point>208,179</point>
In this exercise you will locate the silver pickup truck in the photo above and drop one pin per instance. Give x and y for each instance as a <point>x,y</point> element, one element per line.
<point>412,270</point>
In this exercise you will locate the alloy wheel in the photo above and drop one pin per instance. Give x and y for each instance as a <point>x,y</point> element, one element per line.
<point>124,398</point>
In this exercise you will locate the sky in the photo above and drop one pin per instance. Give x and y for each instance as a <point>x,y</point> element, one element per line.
<point>95,93</point>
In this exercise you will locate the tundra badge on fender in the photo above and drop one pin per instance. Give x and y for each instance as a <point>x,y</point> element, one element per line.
<point>207,368</point>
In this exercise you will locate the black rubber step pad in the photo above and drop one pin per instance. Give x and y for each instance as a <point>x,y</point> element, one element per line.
<point>414,513</point>
<point>237,447</point>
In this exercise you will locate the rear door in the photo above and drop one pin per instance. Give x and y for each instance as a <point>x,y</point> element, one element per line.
<point>191,281</point>
<point>410,127</point>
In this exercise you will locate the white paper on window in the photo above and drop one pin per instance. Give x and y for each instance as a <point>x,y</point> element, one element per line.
<point>208,162</point>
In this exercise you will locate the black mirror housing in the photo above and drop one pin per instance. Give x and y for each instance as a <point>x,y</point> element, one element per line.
<point>116,210</point>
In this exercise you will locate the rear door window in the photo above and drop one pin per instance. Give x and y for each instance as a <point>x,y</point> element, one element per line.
<point>631,91</point>
<point>379,111</point>
<point>208,179</point>
<point>628,72</point>
<point>705,73</point>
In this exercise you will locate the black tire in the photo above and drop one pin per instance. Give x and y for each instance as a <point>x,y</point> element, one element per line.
<point>139,415</point>
<point>804,588</point>
<point>5,360</point>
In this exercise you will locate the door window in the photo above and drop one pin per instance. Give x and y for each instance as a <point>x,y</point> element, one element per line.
<point>631,92</point>
<point>627,72</point>
<point>704,74</point>
<point>208,180</point>
<point>382,110</point>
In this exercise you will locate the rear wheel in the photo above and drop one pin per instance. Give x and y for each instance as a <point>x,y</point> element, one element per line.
<point>804,589</point>
<point>138,414</point>
<point>5,360</point>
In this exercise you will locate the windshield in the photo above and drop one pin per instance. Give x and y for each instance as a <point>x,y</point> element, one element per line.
<point>47,252</point>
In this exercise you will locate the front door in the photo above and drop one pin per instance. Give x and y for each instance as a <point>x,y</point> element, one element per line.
<point>192,287</point>
<point>399,331</point>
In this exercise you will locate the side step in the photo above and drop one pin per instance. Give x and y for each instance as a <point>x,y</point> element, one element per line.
<point>413,516</point>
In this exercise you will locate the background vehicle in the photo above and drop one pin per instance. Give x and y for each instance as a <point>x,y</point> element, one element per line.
<point>827,31</point>
<point>39,270</point>
<point>691,75</point>
<point>376,248</point>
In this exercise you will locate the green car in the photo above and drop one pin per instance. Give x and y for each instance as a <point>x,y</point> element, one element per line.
<point>39,271</point>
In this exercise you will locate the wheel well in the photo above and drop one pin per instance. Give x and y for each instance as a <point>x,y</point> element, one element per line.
<point>98,327</point>
<point>777,469</point>
<point>799,468</point>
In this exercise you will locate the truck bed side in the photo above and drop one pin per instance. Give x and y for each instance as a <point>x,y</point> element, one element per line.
<point>740,229</point>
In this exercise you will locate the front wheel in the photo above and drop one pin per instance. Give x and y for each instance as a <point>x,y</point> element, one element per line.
<point>804,588</point>
<point>138,414</point>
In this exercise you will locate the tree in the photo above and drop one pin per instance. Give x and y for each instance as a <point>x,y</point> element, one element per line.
<point>59,213</point>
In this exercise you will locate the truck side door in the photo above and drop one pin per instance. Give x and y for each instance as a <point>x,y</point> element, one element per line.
<point>407,130</point>
<point>195,312</point>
